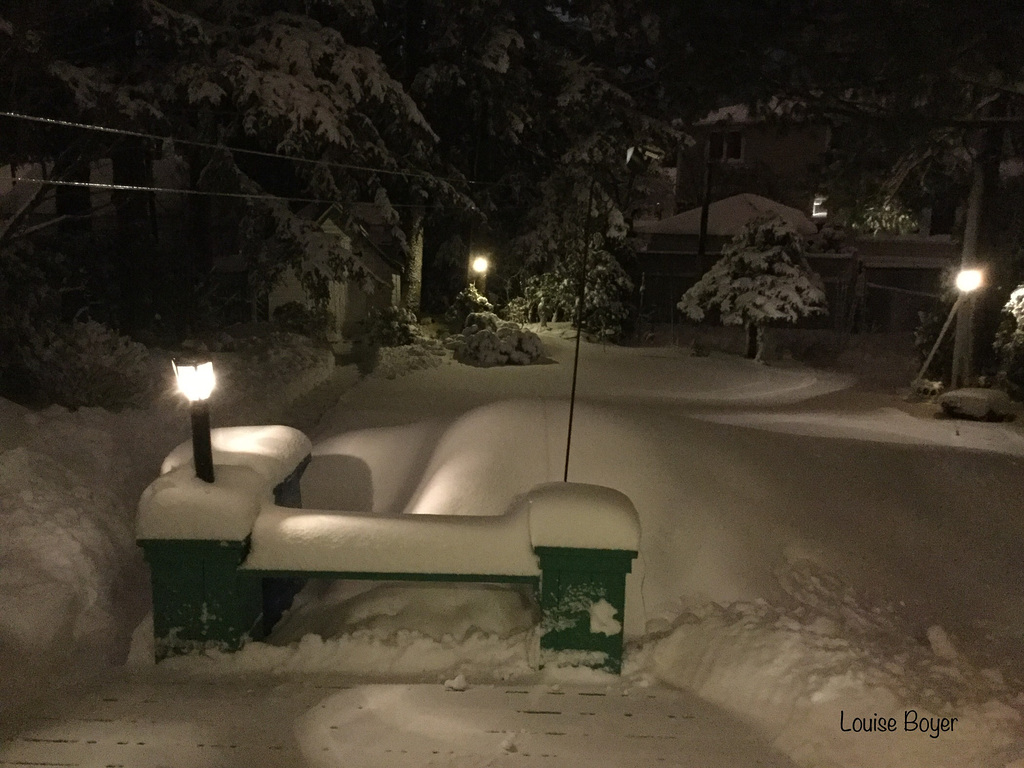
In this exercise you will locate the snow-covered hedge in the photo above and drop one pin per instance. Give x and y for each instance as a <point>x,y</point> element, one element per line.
<point>89,364</point>
<point>390,327</point>
<point>488,341</point>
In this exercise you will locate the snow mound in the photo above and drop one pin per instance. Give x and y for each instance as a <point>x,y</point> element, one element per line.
<point>977,403</point>
<point>796,669</point>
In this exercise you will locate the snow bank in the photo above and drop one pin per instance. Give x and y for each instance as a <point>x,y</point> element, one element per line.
<point>802,669</point>
<point>73,583</point>
<point>413,630</point>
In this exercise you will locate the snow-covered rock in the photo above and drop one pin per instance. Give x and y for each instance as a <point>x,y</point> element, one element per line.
<point>977,403</point>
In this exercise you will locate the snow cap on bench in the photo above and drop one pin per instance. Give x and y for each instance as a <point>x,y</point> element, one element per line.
<point>250,461</point>
<point>582,516</point>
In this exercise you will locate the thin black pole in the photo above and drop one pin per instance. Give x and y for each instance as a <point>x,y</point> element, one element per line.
<point>202,451</point>
<point>579,323</point>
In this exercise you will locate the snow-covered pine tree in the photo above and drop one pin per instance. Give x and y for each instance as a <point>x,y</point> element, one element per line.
<point>761,278</point>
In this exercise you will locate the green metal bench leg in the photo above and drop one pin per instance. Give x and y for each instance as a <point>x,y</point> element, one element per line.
<point>583,600</point>
<point>200,600</point>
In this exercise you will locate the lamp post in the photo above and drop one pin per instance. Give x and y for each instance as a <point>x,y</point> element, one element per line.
<point>478,268</point>
<point>967,282</point>
<point>195,380</point>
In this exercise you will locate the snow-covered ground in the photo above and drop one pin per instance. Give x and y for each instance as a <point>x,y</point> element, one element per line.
<point>811,553</point>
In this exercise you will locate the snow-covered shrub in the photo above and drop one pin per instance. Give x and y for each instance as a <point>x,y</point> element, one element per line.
<point>488,341</point>
<point>1009,342</point>
<point>89,364</point>
<point>761,278</point>
<point>317,323</point>
<point>469,300</point>
<point>554,295</point>
<point>482,320</point>
<point>392,362</point>
<point>548,297</point>
<point>390,327</point>
<point>28,302</point>
<point>517,310</point>
<point>608,288</point>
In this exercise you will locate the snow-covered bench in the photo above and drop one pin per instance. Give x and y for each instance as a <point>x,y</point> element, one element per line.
<point>222,553</point>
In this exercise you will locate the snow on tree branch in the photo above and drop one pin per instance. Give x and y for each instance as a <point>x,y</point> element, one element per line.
<point>762,277</point>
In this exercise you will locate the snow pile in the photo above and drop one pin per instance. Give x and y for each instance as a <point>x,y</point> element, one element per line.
<point>413,631</point>
<point>488,341</point>
<point>977,403</point>
<point>72,580</point>
<point>803,672</point>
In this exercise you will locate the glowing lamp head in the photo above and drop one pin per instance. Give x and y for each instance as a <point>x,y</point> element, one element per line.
<point>480,265</point>
<point>968,280</point>
<point>195,378</point>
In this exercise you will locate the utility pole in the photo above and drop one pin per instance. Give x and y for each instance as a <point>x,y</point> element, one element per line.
<point>963,340</point>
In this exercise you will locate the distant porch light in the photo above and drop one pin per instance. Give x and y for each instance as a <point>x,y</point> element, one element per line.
<point>818,210</point>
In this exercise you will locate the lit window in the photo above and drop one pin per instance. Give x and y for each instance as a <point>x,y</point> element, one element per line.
<point>725,146</point>
<point>818,210</point>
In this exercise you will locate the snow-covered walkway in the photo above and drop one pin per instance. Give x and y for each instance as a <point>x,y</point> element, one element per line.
<point>156,721</point>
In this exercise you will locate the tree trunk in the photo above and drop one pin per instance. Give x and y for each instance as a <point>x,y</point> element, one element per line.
<point>73,202</point>
<point>414,272</point>
<point>759,335</point>
<point>702,238</point>
<point>963,339</point>
<point>133,244</point>
<point>978,317</point>
<point>753,337</point>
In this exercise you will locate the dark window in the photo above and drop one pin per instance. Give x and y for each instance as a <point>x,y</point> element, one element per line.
<point>725,145</point>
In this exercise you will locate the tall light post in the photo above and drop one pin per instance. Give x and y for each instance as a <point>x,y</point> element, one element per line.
<point>967,282</point>
<point>478,268</point>
<point>196,380</point>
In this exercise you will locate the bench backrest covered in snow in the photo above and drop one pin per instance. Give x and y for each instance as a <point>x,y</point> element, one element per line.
<point>226,557</point>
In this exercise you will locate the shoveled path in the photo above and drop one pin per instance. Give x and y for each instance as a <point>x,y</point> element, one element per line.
<point>158,721</point>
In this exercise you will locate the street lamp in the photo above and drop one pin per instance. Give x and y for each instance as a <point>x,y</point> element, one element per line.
<point>478,266</point>
<point>195,380</point>
<point>967,281</point>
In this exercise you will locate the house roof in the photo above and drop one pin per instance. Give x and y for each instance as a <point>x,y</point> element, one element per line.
<point>727,217</point>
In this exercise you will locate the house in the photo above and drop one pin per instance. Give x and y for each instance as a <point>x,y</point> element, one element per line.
<point>775,155</point>
<point>349,301</point>
<point>874,283</point>
<point>670,261</point>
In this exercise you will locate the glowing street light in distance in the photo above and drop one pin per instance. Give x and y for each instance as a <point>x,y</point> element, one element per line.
<point>968,280</point>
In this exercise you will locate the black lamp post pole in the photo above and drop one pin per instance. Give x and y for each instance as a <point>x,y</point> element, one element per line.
<point>202,451</point>
<point>579,322</point>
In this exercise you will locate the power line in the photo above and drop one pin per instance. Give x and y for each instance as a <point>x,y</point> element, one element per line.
<point>256,152</point>
<point>173,191</point>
